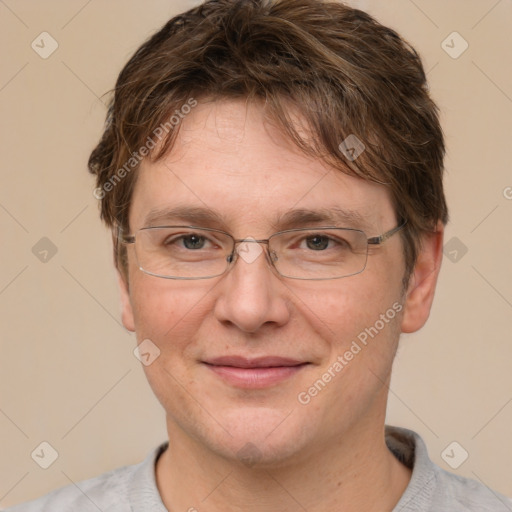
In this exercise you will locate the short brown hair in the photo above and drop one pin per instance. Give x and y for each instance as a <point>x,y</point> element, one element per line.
<point>344,72</point>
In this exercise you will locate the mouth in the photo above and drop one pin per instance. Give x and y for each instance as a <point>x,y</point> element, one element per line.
<point>254,373</point>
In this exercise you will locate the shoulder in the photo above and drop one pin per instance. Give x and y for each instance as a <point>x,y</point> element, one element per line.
<point>109,492</point>
<point>94,494</point>
<point>431,488</point>
<point>467,494</point>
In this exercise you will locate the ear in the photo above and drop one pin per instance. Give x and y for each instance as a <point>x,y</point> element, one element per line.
<point>422,284</point>
<point>126,305</point>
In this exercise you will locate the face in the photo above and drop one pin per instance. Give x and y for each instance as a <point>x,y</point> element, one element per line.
<point>229,161</point>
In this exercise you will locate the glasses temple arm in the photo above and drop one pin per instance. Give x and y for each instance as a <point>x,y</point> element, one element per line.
<point>377,240</point>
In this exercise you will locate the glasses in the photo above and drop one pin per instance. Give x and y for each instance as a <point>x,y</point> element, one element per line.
<point>191,252</point>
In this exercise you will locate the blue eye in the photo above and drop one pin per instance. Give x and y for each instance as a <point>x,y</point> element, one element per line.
<point>318,242</point>
<point>193,241</point>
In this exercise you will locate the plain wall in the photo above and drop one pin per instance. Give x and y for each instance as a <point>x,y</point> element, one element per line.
<point>68,374</point>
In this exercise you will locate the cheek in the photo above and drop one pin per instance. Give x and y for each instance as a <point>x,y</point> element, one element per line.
<point>167,312</point>
<point>344,310</point>
<point>359,324</point>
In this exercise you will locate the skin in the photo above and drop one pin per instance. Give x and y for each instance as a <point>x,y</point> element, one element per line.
<point>329,454</point>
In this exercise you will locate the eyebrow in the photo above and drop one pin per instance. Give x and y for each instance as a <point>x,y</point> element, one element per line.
<point>335,217</point>
<point>302,217</point>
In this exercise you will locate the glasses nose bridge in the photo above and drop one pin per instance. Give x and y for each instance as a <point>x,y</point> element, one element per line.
<point>250,240</point>
<point>249,259</point>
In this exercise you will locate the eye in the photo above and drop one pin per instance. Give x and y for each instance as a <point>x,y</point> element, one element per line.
<point>321,242</point>
<point>317,242</point>
<point>193,241</point>
<point>189,241</point>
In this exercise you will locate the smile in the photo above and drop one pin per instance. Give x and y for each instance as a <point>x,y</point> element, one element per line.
<point>254,374</point>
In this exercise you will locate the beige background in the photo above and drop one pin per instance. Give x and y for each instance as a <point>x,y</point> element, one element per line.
<point>68,374</point>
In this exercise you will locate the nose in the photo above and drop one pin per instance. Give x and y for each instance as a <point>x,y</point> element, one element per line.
<point>251,294</point>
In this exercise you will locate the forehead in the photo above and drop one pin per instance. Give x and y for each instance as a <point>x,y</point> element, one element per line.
<point>228,160</point>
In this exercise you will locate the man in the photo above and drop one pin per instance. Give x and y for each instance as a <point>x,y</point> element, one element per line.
<point>272,174</point>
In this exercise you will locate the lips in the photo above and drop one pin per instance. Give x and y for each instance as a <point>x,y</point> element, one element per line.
<point>254,373</point>
<point>259,362</point>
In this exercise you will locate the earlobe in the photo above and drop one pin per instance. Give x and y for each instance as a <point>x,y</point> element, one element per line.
<point>422,285</point>
<point>126,305</point>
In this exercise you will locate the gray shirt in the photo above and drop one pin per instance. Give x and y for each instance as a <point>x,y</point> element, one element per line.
<point>134,489</point>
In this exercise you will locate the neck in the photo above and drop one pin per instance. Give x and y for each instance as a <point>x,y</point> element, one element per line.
<point>355,473</point>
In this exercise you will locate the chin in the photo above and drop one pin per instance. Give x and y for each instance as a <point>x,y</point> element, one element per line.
<point>262,437</point>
